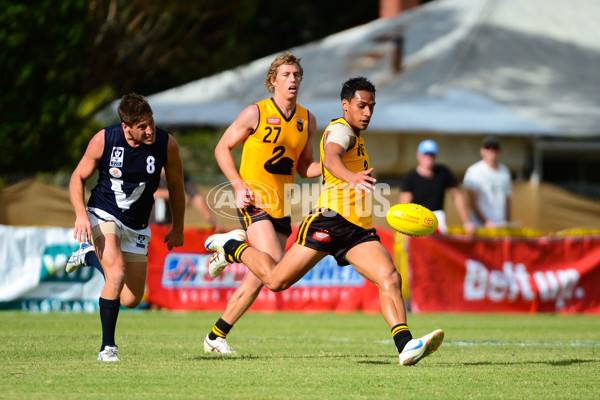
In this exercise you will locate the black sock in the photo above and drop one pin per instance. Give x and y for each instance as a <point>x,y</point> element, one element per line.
<point>234,249</point>
<point>109,311</point>
<point>92,259</point>
<point>401,335</point>
<point>221,329</point>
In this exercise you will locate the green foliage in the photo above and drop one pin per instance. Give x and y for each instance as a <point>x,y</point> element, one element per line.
<point>197,152</point>
<point>64,61</point>
<point>299,356</point>
<point>41,47</point>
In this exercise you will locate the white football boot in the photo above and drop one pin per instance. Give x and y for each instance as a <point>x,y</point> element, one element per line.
<point>218,262</point>
<point>217,241</point>
<point>109,354</point>
<point>219,345</point>
<point>77,258</point>
<point>417,349</point>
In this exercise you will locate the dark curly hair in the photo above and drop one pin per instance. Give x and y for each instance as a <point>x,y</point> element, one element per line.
<point>352,85</point>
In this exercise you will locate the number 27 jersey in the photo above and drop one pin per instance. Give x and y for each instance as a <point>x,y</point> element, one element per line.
<point>270,155</point>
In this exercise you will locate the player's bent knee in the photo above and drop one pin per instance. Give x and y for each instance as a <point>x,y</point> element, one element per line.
<point>131,303</point>
<point>277,286</point>
<point>392,281</point>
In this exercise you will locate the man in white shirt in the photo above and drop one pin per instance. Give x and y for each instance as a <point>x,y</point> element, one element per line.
<point>488,184</point>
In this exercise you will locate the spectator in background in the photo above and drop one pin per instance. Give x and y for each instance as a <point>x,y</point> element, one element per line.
<point>161,212</point>
<point>426,185</point>
<point>488,185</point>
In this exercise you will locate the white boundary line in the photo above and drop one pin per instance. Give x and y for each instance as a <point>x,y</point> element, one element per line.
<point>460,343</point>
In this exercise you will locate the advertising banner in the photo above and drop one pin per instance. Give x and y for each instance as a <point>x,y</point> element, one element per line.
<point>179,280</point>
<point>548,274</point>
<point>32,272</point>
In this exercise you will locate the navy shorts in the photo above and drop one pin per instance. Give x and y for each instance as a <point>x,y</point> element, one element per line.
<point>252,214</point>
<point>333,234</point>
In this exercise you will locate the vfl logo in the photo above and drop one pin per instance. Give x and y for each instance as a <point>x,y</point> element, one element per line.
<point>322,236</point>
<point>273,121</point>
<point>116,156</point>
<point>300,124</point>
<point>141,242</point>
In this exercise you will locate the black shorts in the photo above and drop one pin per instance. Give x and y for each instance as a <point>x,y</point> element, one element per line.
<point>332,234</point>
<point>252,214</point>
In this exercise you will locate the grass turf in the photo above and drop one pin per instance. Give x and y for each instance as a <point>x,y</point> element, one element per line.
<point>299,356</point>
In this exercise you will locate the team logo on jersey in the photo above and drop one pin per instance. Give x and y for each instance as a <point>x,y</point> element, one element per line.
<point>273,121</point>
<point>116,156</point>
<point>300,124</point>
<point>141,241</point>
<point>322,236</point>
<point>115,172</point>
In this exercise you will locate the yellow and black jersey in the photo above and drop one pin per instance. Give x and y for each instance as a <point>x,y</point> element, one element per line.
<point>270,155</point>
<point>339,195</point>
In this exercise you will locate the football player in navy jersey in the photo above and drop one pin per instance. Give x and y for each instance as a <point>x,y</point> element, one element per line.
<point>129,157</point>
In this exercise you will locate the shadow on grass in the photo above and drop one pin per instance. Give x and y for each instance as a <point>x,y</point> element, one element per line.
<point>384,359</point>
<point>557,363</point>
<point>364,359</point>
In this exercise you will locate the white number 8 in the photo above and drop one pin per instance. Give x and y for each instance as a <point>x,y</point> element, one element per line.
<point>150,167</point>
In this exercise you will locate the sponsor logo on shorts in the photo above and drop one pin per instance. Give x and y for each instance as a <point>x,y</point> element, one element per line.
<point>273,121</point>
<point>322,236</point>
<point>116,172</point>
<point>116,156</point>
<point>141,242</point>
<point>257,211</point>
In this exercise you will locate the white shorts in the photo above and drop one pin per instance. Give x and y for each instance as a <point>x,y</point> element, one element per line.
<point>132,241</point>
<point>441,217</point>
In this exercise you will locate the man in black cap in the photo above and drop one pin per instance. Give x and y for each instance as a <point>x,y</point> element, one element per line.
<point>427,184</point>
<point>488,184</point>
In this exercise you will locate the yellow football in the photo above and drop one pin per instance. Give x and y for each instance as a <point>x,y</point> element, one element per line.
<point>412,219</point>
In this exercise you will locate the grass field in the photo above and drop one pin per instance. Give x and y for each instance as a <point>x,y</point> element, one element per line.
<point>299,356</point>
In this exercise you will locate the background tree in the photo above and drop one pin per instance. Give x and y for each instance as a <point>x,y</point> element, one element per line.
<point>63,61</point>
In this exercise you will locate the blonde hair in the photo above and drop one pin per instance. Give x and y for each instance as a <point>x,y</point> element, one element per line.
<point>280,60</point>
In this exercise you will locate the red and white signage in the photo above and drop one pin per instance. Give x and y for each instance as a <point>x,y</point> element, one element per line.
<point>179,280</point>
<point>456,273</point>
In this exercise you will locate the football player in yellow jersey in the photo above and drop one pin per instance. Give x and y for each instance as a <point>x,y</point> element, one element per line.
<point>338,228</point>
<point>278,139</point>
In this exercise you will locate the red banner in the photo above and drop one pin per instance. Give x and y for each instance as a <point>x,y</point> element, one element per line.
<point>179,280</point>
<point>457,273</point>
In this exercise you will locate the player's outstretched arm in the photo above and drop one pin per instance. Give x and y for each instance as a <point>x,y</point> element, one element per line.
<point>361,181</point>
<point>174,175</point>
<point>235,134</point>
<point>84,170</point>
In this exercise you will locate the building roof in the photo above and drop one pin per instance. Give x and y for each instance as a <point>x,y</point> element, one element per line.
<point>468,66</point>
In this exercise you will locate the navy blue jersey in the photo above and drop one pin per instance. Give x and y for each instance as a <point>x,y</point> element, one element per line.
<point>129,176</point>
